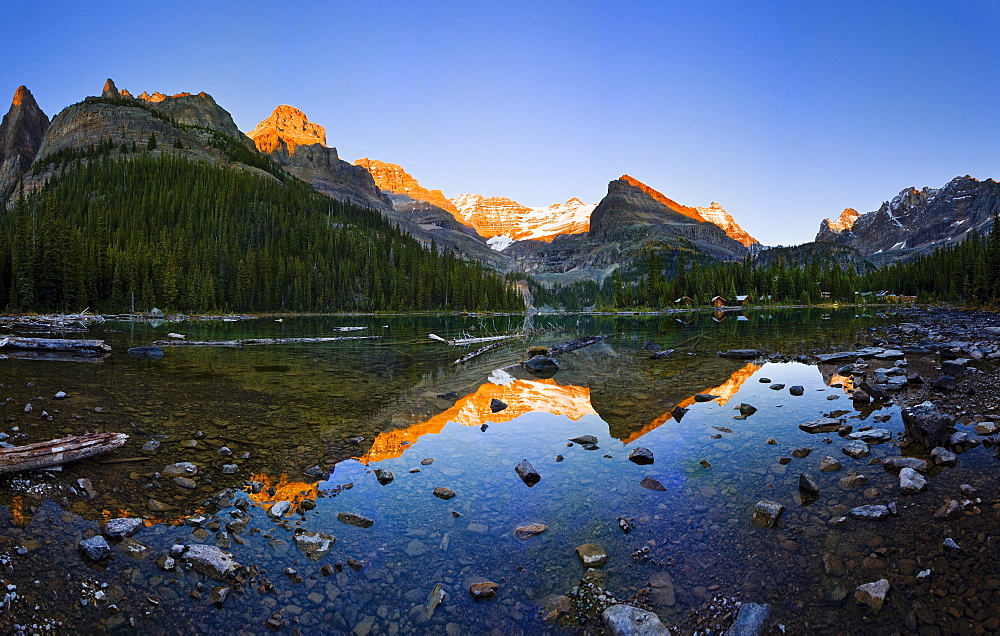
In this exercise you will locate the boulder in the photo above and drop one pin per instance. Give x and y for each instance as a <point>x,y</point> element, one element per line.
<point>829,465</point>
<point>945,382</point>
<point>872,435</point>
<point>926,425</point>
<point>592,555</point>
<point>741,354</point>
<point>955,368</point>
<point>526,532</point>
<point>641,456</point>
<point>207,559</point>
<point>497,406</point>
<point>625,620</point>
<point>483,590</point>
<point>872,594</point>
<point>808,485</point>
<point>823,425</point>
<point>895,464</point>
<point>857,449</point>
<point>95,548</point>
<point>911,482</point>
<point>527,473</point>
<point>384,476</point>
<point>943,457</point>
<point>121,527</point>
<point>584,440</point>
<point>750,620</point>
<point>541,366</point>
<point>870,511</point>
<point>796,390</point>
<point>766,514</point>
<point>180,469</point>
<point>315,545</point>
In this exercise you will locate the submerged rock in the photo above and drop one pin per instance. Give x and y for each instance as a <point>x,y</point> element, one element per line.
<point>872,594</point>
<point>625,620</point>
<point>870,511</point>
<point>796,390</point>
<point>352,519</point>
<point>146,353</point>
<point>384,476</point>
<point>526,532</point>
<point>652,484</point>
<point>872,435</point>
<point>496,405</point>
<point>704,397</point>
<point>829,465</point>
<point>766,514</point>
<point>541,366</point>
<point>808,485</point>
<point>823,425</point>
<point>943,457</point>
<point>592,555</point>
<point>857,449</point>
<point>896,464</point>
<point>121,527</point>
<point>443,493</point>
<point>483,590</point>
<point>584,440</point>
<point>741,354</point>
<point>180,469</point>
<point>911,482</point>
<point>316,545</point>
<point>207,559</point>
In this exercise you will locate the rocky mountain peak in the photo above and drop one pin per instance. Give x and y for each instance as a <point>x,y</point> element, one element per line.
<point>21,133</point>
<point>844,222</point>
<point>289,126</point>
<point>714,213</point>
<point>660,198</point>
<point>393,179</point>
<point>110,90</point>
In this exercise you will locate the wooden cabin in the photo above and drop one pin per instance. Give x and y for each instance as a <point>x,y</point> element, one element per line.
<point>718,301</point>
<point>718,316</point>
<point>741,300</point>
<point>684,300</point>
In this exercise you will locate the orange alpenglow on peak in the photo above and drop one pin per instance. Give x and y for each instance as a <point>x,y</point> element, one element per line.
<point>846,221</point>
<point>392,178</point>
<point>289,126</point>
<point>660,198</point>
<point>21,95</point>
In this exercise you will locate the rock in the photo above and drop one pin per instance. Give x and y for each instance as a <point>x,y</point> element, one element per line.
<point>355,440</point>
<point>527,473</point>
<point>872,435</point>
<point>678,412</point>
<point>150,446</point>
<point>230,469</point>
<point>427,461</point>
<point>808,485</point>
<point>870,511</point>
<point>895,464</point>
<point>824,425</point>
<point>771,441</point>
<point>853,480</point>
<point>746,410</point>
<point>860,397</point>
<point>741,354</point>
<point>186,482</point>
<point>950,510</point>
<point>496,405</point>
<point>541,366</point>
<point>796,390</point>
<point>857,449</point>
<point>146,353</point>
<point>443,493</point>
<point>279,509</point>
<point>625,620</point>
<point>640,455</point>
<point>592,555</point>
<point>384,477</point>
<point>352,519</point>
<point>750,620</point>
<point>955,368</point>
<point>872,594</point>
<point>220,595</point>
<point>829,464</point>
<point>209,560</point>
<point>704,397</point>
<point>652,484</point>
<point>121,527</point>
<point>433,600</point>
<point>316,545</point>
<point>180,469</point>
<point>60,395</point>
<point>986,428</point>
<point>801,452</point>
<point>584,440</point>
<point>766,514</point>
<point>483,590</point>
<point>944,382</point>
<point>95,548</point>
<point>943,457</point>
<point>911,482</point>
<point>950,544</point>
<point>776,387</point>
<point>526,532</point>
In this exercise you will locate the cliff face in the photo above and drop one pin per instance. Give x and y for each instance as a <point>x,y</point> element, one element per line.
<point>394,180</point>
<point>299,146</point>
<point>21,133</point>
<point>917,221</point>
<point>715,214</point>
<point>510,221</point>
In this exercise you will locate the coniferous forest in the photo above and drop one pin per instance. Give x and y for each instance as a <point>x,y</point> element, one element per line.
<point>132,234</point>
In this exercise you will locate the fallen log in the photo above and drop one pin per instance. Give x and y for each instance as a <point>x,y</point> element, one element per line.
<point>87,347</point>
<point>464,341</point>
<point>53,356</point>
<point>58,451</point>
<point>479,352</point>
<point>575,344</point>
<point>254,341</point>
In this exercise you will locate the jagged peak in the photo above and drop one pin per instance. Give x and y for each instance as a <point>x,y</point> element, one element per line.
<point>22,95</point>
<point>110,90</point>
<point>292,126</point>
<point>844,222</point>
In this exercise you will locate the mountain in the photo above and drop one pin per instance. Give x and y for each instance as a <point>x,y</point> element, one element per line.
<point>802,255</point>
<point>507,221</point>
<point>404,190</point>
<point>21,133</point>
<point>917,221</point>
<point>299,146</point>
<point>715,214</point>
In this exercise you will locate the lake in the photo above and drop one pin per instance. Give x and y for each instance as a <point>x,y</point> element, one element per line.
<point>266,425</point>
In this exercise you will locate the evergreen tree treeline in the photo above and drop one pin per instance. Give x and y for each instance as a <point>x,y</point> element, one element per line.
<point>188,236</point>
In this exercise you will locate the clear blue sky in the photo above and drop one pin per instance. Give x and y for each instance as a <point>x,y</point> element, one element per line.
<point>783,112</point>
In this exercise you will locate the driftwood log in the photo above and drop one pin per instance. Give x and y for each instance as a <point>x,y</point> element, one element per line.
<point>254,341</point>
<point>464,341</point>
<point>53,356</point>
<point>86,347</point>
<point>58,451</point>
<point>573,345</point>
<point>480,351</point>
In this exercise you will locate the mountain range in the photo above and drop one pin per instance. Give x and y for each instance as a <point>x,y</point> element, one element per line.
<point>560,243</point>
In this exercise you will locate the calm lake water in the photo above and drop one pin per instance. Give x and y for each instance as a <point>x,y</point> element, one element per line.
<point>287,413</point>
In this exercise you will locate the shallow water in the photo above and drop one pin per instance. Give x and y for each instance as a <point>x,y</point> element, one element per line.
<point>292,408</point>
